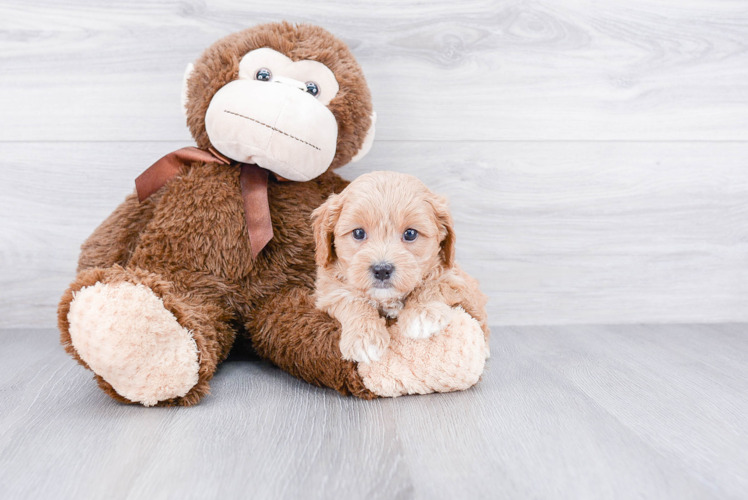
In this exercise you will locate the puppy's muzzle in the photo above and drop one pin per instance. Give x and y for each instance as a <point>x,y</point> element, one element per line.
<point>382,273</point>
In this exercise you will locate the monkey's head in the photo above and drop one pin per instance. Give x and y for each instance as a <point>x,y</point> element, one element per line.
<point>291,99</point>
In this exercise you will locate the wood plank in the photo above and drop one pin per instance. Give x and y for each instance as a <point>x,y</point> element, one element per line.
<point>441,70</point>
<point>665,370</point>
<point>557,232</point>
<point>562,412</point>
<point>565,233</point>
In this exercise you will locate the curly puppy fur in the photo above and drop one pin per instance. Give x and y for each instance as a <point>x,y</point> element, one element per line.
<point>392,220</point>
<point>188,243</point>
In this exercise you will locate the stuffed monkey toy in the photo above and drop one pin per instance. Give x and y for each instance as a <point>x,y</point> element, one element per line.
<point>216,244</point>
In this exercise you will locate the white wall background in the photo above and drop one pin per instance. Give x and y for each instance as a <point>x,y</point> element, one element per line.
<point>596,153</point>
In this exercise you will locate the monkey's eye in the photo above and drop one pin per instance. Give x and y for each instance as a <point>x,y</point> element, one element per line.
<point>264,75</point>
<point>359,234</point>
<point>410,235</point>
<point>312,88</point>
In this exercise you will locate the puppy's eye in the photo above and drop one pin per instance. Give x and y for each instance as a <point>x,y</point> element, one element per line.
<point>264,75</point>
<point>410,235</point>
<point>359,234</point>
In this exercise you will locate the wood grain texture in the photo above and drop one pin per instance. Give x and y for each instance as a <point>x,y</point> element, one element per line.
<point>585,147</point>
<point>562,412</point>
<point>523,113</point>
<point>439,70</point>
<point>556,232</point>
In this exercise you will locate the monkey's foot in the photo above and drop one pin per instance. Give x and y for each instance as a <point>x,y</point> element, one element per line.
<point>127,337</point>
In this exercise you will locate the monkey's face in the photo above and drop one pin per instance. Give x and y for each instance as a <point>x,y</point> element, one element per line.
<point>275,115</point>
<point>291,115</point>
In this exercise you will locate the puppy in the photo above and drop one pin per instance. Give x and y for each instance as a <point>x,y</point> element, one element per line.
<point>385,253</point>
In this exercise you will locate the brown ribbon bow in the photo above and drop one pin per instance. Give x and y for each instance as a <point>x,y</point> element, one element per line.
<point>253,181</point>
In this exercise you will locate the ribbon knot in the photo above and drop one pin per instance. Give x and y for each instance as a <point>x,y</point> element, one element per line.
<point>253,181</point>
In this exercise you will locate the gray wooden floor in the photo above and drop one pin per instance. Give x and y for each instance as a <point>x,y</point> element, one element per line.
<point>562,412</point>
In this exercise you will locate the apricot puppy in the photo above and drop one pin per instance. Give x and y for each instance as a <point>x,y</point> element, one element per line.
<point>385,252</point>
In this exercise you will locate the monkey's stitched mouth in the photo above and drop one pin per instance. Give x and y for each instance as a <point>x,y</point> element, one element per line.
<point>271,128</point>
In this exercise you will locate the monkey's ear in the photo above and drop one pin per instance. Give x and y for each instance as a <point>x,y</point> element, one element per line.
<point>187,73</point>
<point>446,229</point>
<point>324,219</point>
<point>368,140</point>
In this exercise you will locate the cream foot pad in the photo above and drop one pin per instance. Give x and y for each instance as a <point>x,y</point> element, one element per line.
<point>452,360</point>
<point>127,336</point>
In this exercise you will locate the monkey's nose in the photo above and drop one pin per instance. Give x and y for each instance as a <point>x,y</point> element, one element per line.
<point>382,271</point>
<point>290,82</point>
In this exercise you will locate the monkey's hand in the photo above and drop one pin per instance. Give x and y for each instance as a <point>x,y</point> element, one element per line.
<point>421,321</point>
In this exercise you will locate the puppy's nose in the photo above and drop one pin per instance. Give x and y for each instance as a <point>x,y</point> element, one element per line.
<point>382,271</point>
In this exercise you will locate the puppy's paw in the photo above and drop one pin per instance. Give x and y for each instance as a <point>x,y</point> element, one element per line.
<point>424,321</point>
<point>365,345</point>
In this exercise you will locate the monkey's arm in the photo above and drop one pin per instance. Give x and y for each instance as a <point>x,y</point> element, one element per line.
<point>292,333</point>
<point>114,241</point>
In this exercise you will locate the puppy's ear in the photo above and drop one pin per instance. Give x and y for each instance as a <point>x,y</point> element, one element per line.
<point>324,219</point>
<point>446,229</point>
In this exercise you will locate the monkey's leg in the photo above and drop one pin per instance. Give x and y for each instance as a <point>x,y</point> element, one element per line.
<point>303,341</point>
<point>145,338</point>
<point>114,241</point>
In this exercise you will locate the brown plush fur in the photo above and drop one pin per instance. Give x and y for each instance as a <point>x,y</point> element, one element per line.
<point>188,242</point>
<point>219,65</point>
